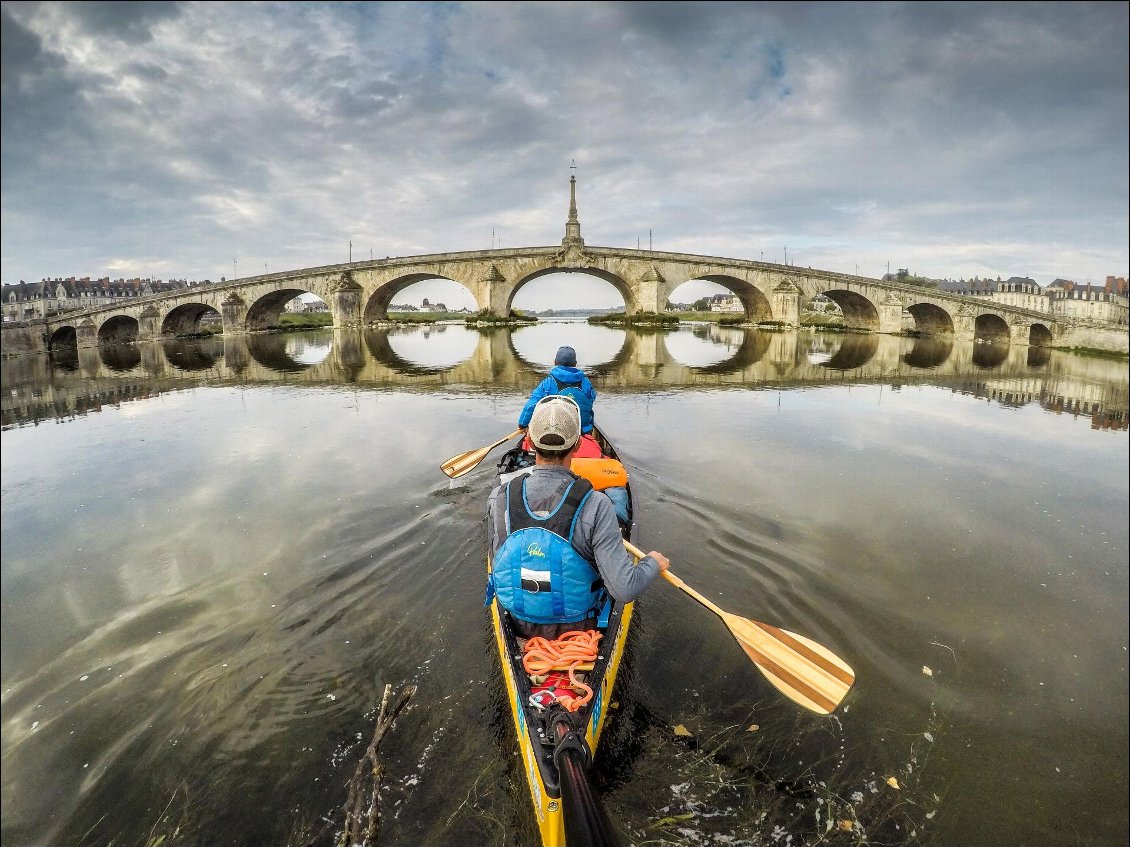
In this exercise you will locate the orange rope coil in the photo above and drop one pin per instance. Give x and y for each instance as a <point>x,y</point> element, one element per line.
<point>567,652</point>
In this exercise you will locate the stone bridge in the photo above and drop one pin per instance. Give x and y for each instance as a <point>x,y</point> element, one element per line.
<point>90,377</point>
<point>359,294</point>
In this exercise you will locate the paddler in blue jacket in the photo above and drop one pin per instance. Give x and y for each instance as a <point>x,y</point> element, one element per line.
<point>567,380</point>
<point>556,547</point>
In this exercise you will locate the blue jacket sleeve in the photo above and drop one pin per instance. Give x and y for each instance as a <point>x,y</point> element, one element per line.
<point>590,390</point>
<point>544,388</point>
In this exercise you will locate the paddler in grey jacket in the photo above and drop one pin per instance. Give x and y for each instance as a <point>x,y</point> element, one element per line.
<point>555,432</point>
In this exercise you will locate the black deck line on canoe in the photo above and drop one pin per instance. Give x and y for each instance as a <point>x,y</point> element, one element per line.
<point>541,736</point>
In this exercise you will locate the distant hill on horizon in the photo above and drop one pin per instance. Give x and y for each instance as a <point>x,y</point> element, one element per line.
<point>575,313</point>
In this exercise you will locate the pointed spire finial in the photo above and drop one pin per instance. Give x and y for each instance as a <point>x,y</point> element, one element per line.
<point>573,225</point>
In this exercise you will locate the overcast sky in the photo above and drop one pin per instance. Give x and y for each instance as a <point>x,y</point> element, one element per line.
<point>198,140</point>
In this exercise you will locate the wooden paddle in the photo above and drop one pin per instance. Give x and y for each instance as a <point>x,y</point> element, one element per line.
<point>456,466</point>
<point>804,671</point>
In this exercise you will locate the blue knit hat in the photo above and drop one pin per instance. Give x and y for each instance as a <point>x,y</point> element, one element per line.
<point>566,356</point>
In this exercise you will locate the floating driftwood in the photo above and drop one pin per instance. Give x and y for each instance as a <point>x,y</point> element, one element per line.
<point>362,808</point>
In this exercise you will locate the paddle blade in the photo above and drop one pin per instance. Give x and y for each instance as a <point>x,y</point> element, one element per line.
<point>456,466</point>
<point>804,671</point>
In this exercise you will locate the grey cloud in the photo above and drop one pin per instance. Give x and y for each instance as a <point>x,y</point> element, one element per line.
<point>131,22</point>
<point>286,129</point>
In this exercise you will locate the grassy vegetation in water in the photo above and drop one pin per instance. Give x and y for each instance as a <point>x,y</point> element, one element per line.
<point>758,785</point>
<point>304,320</point>
<point>638,319</point>
<point>486,316</point>
<point>1093,351</point>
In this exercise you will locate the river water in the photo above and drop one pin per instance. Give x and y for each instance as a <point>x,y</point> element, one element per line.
<point>217,553</point>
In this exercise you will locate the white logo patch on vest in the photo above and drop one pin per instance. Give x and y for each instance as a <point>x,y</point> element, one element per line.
<point>535,580</point>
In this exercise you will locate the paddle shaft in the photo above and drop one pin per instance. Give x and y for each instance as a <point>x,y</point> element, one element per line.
<point>678,583</point>
<point>586,822</point>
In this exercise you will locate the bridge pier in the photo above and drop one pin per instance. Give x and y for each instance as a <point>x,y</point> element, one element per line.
<point>233,310</point>
<point>890,315</point>
<point>86,334</point>
<point>786,303</point>
<point>346,303</point>
<point>149,324</point>
<point>648,295</point>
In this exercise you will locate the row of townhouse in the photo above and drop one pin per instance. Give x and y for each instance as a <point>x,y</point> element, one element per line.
<point>1107,303</point>
<point>25,301</point>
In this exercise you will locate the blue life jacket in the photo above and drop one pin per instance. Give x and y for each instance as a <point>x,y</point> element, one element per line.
<point>575,392</point>
<point>537,574</point>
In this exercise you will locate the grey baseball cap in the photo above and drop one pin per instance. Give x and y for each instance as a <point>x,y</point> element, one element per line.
<point>555,424</point>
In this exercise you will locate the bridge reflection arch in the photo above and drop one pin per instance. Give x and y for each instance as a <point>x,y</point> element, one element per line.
<point>853,350</point>
<point>750,346</point>
<point>193,354</point>
<point>271,351</point>
<point>119,357</point>
<point>929,352</point>
<point>380,346</point>
<point>620,340</point>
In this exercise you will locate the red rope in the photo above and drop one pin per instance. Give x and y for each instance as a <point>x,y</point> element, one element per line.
<point>565,653</point>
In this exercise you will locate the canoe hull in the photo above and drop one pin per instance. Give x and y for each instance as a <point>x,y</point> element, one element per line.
<point>546,799</point>
<point>536,752</point>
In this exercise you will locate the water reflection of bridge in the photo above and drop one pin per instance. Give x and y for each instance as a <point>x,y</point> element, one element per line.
<point>76,381</point>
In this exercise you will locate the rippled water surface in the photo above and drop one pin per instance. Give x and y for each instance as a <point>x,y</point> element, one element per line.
<point>217,553</point>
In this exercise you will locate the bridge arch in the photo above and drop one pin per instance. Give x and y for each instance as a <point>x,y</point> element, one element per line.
<point>859,311</point>
<point>991,328</point>
<point>376,308</point>
<point>185,319</point>
<point>1039,335</point>
<point>753,299</point>
<point>617,282</point>
<point>931,319</point>
<point>119,329</point>
<point>265,311</point>
<point>65,336</point>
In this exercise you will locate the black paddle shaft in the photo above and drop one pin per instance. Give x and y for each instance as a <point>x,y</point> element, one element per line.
<point>586,822</point>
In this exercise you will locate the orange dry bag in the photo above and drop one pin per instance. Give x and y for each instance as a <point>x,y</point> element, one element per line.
<point>602,473</point>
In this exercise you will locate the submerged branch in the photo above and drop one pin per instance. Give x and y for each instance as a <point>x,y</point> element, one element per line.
<point>362,807</point>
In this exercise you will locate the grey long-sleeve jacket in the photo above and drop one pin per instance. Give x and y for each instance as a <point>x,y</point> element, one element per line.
<point>597,536</point>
